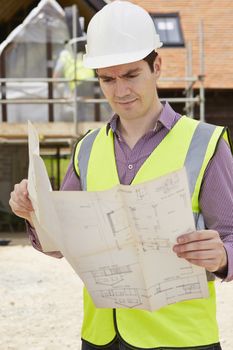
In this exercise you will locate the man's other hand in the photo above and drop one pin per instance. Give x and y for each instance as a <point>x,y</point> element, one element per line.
<point>20,202</point>
<point>203,248</point>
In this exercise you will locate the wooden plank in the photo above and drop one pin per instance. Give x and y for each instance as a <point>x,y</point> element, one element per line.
<point>20,130</point>
<point>46,130</point>
<point>83,127</point>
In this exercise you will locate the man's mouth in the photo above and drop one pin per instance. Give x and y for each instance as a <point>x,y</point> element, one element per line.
<point>126,102</point>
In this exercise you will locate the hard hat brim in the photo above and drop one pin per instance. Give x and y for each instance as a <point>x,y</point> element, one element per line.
<point>115,60</point>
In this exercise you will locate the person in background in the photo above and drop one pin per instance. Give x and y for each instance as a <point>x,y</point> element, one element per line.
<point>144,140</point>
<point>67,65</point>
<point>70,66</point>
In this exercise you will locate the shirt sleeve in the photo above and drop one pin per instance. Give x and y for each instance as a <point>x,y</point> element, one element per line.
<point>71,182</point>
<point>216,200</point>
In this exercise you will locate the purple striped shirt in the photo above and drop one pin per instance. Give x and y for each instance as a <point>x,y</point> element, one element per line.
<point>216,198</point>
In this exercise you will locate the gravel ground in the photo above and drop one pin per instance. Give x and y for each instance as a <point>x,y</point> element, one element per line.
<point>41,302</point>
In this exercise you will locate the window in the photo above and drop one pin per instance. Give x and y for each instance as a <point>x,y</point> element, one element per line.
<point>169,29</point>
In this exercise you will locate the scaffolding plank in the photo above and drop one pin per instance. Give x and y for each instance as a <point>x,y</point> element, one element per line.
<point>56,130</point>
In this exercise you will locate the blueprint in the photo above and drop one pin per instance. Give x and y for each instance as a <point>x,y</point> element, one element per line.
<point>119,241</point>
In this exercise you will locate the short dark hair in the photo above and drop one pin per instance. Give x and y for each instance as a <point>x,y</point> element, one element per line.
<point>150,59</point>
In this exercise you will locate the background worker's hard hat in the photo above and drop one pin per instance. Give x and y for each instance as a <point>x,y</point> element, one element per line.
<point>119,33</point>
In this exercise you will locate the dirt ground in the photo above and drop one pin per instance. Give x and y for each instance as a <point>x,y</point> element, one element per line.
<point>41,301</point>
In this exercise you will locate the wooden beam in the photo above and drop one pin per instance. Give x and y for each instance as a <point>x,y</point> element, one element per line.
<point>57,130</point>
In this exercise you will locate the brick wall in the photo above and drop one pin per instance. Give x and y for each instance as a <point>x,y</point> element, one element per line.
<point>218,33</point>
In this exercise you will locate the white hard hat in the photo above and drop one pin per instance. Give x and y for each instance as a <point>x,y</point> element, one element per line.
<point>119,33</point>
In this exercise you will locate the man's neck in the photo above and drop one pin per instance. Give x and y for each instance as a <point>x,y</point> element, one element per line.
<point>133,130</point>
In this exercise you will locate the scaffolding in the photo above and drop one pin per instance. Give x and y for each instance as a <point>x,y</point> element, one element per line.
<point>189,99</point>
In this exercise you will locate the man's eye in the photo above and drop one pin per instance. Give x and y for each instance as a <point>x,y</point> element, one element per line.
<point>107,80</point>
<point>132,76</point>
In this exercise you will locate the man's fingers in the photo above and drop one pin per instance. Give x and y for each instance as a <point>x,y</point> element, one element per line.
<point>200,254</point>
<point>20,195</point>
<point>202,248</point>
<point>208,264</point>
<point>20,201</point>
<point>21,191</point>
<point>209,244</point>
<point>23,214</point>
<point>197,236</point>
<point>19,211</point>
<point>22,186</point>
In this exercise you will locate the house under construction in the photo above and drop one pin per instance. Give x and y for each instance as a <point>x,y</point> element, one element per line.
<point>196,77</point>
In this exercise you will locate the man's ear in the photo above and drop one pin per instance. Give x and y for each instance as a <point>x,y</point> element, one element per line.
<point>157,66</point>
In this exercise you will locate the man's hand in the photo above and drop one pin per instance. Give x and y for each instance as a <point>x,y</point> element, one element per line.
<point>202,248</point>
<point>20,202</point>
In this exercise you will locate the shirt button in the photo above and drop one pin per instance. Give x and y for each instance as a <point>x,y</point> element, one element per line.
<point>130,166</point>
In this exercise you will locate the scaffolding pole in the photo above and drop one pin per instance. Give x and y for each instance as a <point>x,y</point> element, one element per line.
<point>189,107</point>
<point>75,46</point>
<point>202,71</point>
<point>87,100</point>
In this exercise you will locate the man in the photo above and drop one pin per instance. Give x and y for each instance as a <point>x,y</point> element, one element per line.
<point>144,140</point>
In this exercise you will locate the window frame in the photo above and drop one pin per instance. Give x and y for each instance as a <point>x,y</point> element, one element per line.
<point>175,15</point>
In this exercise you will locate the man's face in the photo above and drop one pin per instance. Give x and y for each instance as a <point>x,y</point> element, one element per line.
<point>130,88</point>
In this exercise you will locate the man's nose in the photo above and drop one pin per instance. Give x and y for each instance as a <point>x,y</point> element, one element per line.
<point>121,88</point>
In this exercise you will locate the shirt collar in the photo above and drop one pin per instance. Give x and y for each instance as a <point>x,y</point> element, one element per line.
<point>168,116</point>
<point>166,119</point>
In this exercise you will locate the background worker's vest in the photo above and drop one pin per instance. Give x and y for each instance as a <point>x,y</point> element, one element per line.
<point>71,67</point>
<point>184,324</point>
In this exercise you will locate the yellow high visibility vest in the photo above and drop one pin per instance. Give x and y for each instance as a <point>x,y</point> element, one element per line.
<point>184,324</point>
<point>75,72</point>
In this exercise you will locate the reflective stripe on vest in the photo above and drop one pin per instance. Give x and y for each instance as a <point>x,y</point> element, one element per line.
<point>196,154</point>
<point>84,155</point>
<point>185,324</point>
